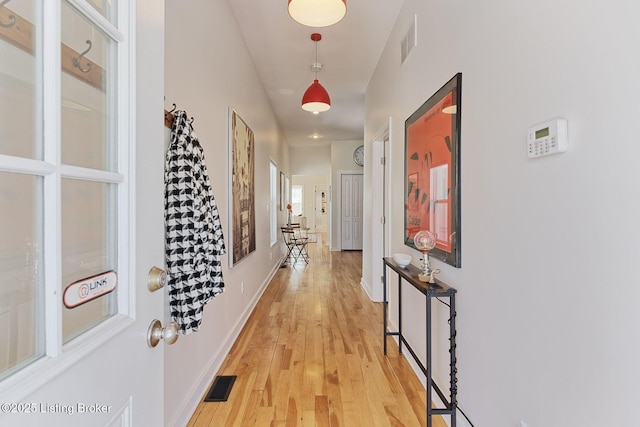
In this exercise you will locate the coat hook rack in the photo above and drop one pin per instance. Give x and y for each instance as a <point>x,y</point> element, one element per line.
<point>76,61</point>
<point>12,18</point>
<point>168,117</point>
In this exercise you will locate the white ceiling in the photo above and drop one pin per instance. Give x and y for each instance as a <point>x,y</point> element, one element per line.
<point>349,51</point>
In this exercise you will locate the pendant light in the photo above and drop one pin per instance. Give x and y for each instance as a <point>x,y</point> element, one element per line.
<point>316,99</point>
<point>317,13</point>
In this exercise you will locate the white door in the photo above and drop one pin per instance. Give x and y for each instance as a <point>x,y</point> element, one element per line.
<point>351,207</point>
<point>82,213</point>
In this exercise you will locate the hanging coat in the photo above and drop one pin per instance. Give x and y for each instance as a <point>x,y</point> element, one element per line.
<point>194,240</point>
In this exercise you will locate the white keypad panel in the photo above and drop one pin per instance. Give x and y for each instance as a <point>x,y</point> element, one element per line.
<point>552,138</point>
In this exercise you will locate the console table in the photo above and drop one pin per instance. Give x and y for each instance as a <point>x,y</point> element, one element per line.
<point>440,291</point>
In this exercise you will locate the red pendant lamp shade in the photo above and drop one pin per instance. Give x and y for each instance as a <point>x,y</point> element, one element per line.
<point>316,98</point>
<point>317,13</point>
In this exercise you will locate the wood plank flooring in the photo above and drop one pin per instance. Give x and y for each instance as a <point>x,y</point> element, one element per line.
<point>311,355</point>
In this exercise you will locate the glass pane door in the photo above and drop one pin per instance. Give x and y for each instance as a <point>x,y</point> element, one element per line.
<point>21,318</point>
<point>63,187</point>
<point>88,140</point>
<point>19,82</point>
<point>87,86</point>
<point>88,250</point>
<point>21,194</point>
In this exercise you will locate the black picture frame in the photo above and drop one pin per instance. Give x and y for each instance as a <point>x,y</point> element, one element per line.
<point>432,172</point>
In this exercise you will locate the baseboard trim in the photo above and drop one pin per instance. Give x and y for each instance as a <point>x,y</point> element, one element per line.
<point>366,288</point>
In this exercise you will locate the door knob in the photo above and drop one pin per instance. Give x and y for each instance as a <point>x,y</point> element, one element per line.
<point>157,279</point>
<point>156,332</point>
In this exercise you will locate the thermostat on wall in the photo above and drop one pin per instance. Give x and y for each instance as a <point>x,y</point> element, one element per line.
<point>548,138</point>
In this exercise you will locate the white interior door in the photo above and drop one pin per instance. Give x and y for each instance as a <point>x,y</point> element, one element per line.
<point>351,211</point>
<point>82,213</point>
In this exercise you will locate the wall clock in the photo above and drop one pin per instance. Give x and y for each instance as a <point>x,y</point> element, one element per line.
<point>358,155</point>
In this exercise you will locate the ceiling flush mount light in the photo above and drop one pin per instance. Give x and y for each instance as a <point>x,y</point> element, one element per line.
<point>317,13</point>
<point>316,99</point>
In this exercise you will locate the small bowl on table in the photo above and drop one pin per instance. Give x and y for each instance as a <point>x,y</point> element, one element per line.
<point>403,260</point>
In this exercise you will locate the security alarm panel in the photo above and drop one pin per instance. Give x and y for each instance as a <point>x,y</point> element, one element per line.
<point>548,138</point>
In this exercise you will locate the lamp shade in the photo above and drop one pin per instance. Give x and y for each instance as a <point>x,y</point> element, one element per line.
<point>317,13</point>
<point>316,99</point>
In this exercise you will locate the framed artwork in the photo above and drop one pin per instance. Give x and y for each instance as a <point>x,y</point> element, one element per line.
<point>242,191</point>
<point>432,167</point>
<point>283,202</point>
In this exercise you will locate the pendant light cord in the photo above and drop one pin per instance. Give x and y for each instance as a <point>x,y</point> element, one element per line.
<point>315,65</point>
<point>316,37</point>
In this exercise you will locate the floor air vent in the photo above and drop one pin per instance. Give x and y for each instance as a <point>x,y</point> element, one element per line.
<point>219,391</point>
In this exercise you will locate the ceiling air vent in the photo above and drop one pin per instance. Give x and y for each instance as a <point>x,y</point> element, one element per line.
<point>410,40</point>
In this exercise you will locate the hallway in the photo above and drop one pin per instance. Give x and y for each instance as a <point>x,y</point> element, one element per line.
<point>311,355</point>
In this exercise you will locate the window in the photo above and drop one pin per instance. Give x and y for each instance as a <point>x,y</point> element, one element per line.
<point>273,205</point>
<point>439,223</point>
<point>297,200</point>
<point>64,167</point>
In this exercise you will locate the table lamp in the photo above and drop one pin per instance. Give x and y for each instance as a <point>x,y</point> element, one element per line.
<point>424,241</point>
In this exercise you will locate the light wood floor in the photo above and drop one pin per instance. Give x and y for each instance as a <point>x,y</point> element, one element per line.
<point>311,355</point>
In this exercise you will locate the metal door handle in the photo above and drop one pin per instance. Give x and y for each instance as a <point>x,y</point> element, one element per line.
<point>156,332</point>
<point>157,279</point>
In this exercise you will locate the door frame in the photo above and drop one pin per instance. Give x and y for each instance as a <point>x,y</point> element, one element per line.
<point>338,226</point>
<point>380,231</point>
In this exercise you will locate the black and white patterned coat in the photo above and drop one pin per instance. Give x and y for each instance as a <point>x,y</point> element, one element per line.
<point>194,239</point>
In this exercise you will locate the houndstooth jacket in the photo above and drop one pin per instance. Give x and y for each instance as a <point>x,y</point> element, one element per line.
<point>194,239</point>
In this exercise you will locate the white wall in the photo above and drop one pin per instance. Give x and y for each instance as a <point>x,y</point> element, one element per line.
<point>311,160</point>
<point>208,69</point>
<point>548,293</point>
